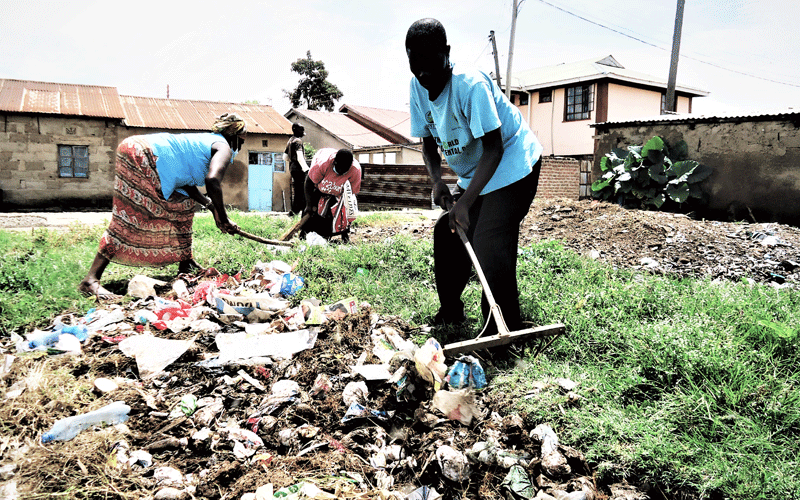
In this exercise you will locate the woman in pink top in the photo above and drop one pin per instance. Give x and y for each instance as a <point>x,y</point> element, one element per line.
<point>325,187</point>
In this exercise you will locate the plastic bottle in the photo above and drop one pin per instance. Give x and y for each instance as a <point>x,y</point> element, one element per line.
<point>67,428</point>
<point>48,338</point>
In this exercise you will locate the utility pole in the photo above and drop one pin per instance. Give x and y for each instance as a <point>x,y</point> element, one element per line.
<point>496,62</point>
<point>168,91</point>
<point>673,63</point>
<point>511,49</point>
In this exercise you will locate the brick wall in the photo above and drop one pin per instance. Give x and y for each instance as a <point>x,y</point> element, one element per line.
<point>560,178</point>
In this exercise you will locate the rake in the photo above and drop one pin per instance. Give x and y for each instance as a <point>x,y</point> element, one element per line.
<point>504,335</point>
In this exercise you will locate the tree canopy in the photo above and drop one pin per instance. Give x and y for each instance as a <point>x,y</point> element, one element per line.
<point>313,90</point>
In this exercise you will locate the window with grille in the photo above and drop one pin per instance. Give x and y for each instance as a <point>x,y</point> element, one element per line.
<point>73,161</point>
<point>579,103</point>
<point>523,99</point>
<point>545,96</point>
<point>266,158</point>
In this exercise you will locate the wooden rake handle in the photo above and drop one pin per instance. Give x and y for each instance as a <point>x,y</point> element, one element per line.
<point>262,240</point>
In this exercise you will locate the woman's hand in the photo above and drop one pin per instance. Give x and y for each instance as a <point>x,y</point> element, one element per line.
<point>459,216</point>
<point>441,194</point>
<point>227,227</point>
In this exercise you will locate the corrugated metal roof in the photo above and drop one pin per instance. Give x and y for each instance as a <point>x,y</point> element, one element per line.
<point>343,127</point>
<point>588,70</point>
<point>178,114</point>
<point>25,96</point>
<point>720,117</point>
<point>396,121</point>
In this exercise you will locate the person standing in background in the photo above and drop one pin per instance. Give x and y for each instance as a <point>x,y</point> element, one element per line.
<point>295,156</point>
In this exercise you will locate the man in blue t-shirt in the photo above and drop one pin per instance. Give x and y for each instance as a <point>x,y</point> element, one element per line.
<point>497,159</point>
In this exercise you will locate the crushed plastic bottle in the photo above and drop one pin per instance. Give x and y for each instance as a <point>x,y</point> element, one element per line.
<point>67,428</point>
<point>48,338</point>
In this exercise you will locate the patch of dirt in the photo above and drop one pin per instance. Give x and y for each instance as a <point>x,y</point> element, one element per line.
<point>661,242</point>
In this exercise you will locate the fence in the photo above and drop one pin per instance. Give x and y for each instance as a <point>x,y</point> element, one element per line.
<point>398,186</point>
<point>409,186</point>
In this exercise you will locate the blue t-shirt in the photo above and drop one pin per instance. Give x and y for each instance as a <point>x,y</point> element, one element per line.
<point>470,105</point>
<point>182,159</point>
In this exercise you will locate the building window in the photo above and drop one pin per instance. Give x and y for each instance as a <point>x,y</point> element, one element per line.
<point>391,158</point>
<point>545,96</point>
<point>579,103</point>
<point>278,164</point>
<point>266,158</point>
<point>523,99</point>
<point>377,158</point>
<point>363,157</point>
<point>264,143</point>
<point>73,161</point>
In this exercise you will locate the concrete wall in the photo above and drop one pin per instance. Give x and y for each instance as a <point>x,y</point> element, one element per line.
<point>559,137</point>
<point>756,161</point>
<point>575,138</point>
<point>629,103</point>
<point>317,136</point>
<point>29,162</point>
<point>403,155</point>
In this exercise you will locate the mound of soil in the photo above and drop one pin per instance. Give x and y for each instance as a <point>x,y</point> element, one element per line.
<point>661,242</point>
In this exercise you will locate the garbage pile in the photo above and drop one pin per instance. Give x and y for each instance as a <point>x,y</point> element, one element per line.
<point>229,387</point>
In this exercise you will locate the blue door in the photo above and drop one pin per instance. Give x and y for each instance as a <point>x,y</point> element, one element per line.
<point>259,182</point>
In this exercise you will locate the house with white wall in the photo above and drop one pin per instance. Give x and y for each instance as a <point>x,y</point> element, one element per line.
<point>561,101</point>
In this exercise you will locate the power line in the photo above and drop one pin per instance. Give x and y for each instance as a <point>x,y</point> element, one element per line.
<point>664,49</point>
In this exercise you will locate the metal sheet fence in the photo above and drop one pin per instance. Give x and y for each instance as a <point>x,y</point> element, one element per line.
<point>398,186</point>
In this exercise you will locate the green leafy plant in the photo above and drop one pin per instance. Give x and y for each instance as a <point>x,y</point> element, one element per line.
<point>647,175</point>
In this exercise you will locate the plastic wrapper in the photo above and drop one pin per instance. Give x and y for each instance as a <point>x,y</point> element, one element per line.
<point>241,345</point>
<point>153,354</point>
<point>355,392</point>
<point>466,372</point>
<point>357,411</point>
<point>232,304</point>
<point>290,284</point>
<point>453,464</point>
<point>456,405</point>
<point>519,483</point>
<point>372,372</point>
<point>424,493</point>
<point>283,393</point>
<point>429,361</point>
<point>553,462</point>
<point>143,286</point>
<point>322,384</point>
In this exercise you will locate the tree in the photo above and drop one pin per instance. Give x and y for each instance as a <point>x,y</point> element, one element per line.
<point>313,90</point>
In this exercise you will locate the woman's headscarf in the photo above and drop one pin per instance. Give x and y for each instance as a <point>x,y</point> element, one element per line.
<point>229,125</point>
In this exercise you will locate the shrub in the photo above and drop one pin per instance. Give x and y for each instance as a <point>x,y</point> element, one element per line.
<point>645,175</point>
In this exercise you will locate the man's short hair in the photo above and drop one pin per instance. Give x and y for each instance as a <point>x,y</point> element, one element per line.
<point>344,159</point>
<point>426,34</point>
<point>296,127</point>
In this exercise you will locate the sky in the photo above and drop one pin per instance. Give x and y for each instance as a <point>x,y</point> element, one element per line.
<point>743,52</point>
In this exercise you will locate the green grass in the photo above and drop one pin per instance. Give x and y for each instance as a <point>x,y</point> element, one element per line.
<point>690,386</point>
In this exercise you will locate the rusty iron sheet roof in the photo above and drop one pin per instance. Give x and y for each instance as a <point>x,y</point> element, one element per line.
<point>27,96</point>
<point>178,114</point>
<point>398,122</point>
<point>343,127</point>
